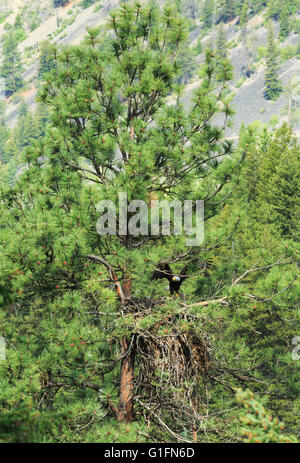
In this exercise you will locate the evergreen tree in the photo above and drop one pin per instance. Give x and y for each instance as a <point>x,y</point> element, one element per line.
<point>221,48</point>
<point>298,48</point>
<point>11,155</point>
<point>221,53</point>
<point>4,135</point>
<point>46,58</point>
<point>191,8</point>
<point>18,29</point>
<point>87,3</point>
<point>256,138</point>
<point>244,13</point>
<point>256,6</point>
<point>278,186</point>
<point>261,237</point>
<point>226,10</point>
<point>273,86</point>
<point>58,3</point>
<point>259,426</point>
<point>41,119</point>
<point>11,67</point>
<point>238,7</point>
<point>273,9</point>
<point>207,13</point>
<point>112,129</point>
<point>97,352</point>
<point>26,130</point>
<point>284,22</point>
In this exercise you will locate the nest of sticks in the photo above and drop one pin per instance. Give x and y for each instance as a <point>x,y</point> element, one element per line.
<point>174,363</point>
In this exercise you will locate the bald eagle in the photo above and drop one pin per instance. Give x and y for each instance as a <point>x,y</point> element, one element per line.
<point>163,270</point>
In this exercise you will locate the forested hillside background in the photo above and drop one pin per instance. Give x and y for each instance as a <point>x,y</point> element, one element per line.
<point>162,100</point>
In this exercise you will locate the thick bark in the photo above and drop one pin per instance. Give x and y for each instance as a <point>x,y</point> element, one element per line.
<point>127,284</point>
<point>124,412</point>
<point>125,409</point>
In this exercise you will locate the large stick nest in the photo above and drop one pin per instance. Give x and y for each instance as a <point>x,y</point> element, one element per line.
<point>174,361</point>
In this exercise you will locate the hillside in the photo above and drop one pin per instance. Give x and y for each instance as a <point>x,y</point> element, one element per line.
<point>248,92</point>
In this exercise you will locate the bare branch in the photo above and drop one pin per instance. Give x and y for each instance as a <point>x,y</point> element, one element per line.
<point>177,436</point>
<point>112,274</point>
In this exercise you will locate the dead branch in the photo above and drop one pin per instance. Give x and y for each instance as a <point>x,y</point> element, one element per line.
<point>177,436</point>
<point>112,274</point>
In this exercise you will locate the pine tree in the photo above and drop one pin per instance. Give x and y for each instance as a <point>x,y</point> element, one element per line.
<point>191,8</point>
<point>46,58</point>
<point>238,5</point>
<point>11,67</point>
<point>259,426</point>
<point>221,48</point>
<point>112,129</point>
<point>18,30</point>
<point>58,3</point>
<point>226,10</point>
<point>244,13</point>
<point>4,135</point>
<point>26,130</point>
<point>260,321</point>
<point>207,13</point>
<point>41,119</point>
<point>87,3</point>
<point>284,22</point>
<point>278,186</point>
<point>273,86</point>
<point>252,136</point>
<point>298,48</point>
<point>221,53</point>
<point>97,352</point>
<point>273,9</point>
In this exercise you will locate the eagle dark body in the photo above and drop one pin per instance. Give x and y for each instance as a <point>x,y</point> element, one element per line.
<point>163,270</point>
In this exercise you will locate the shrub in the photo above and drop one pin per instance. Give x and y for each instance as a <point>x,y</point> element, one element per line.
<point>288,52</point>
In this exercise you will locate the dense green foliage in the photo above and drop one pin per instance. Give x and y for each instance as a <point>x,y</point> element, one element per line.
<point>259,427</point>
<point>285,26</point>
<point>46,58</point>
<point>242,10</point>
<point>30,127</point>
<point>221,51</point>
<point>11,68</point>
<point>244,13</point>
<point>87,3</point>
<point>273,86</point>
<point>207,13</point>
<point>112,118</point>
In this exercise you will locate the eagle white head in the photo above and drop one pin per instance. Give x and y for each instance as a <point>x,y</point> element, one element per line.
<point>176,278</point>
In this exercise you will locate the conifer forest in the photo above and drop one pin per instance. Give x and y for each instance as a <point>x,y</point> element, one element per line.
<point>114,327</point>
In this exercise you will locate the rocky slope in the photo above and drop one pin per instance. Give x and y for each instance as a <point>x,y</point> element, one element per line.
<point>248,100</point>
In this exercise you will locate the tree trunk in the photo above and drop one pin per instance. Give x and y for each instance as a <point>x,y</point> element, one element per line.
<point>195,434</point>
<point>289,109</point>
<point>125,413</point>
<point>125,409</point>
<point>127,284</point>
